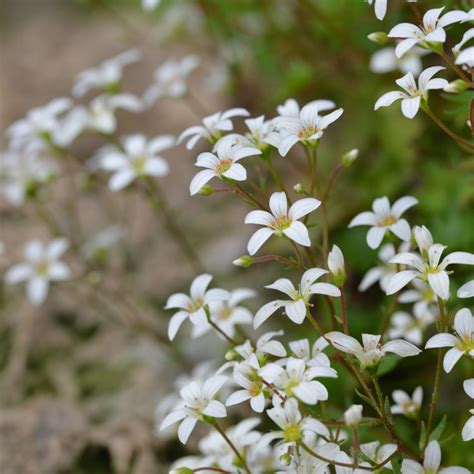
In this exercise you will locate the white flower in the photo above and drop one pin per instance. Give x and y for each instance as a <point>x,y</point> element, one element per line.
<point>246,375</point>
<point>461,344</point>
<point>424,298</point>
<point>227,314</point>
<point>430,33</point>
<point>281,221</point>
<point>377,453</point>
<point>308,127</point>
<point>382,273</point>
<point>223,164</point>
<point>406,405</point>
<point>380,7</point>
<point>431,463</point>
<point>353,416</point>
<point>314,356</point>
<point>42,266</point>
<point>385,218</point>
<point>261,134</point>
<point>194,306</point>
<point>414,94</point>
<point>139,158</point>
<point>198,402</point>
<point>296,307</point>
<point>336,265</point>
<point>291,108</point>
<point>293,425</point>
<point>408,327</point>
<point>21,172</point>
<point>212,127</point>
<point>372,351</point>
<point>150,5</point>
<point>467,290</point>
<point>296,379</point>
<point>466,56</point>
<point>105,76</point>
<point>428,268</point>
<point>170,79</point>
<point>385,60</point>
<point>468,429</point>
<point>264,346</point>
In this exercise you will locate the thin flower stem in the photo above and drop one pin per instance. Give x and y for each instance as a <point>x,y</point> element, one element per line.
<point>456,68</point>
<point>332,178</point>
<point>388,317</point>
<point>435,394</point>
<point>277,258</point>
<point>231,445</point>
<point>249,196</point>
<point>345,327</point>
<point>275,176</point>
<point>355,445</point>
<point>448,131</point>
<point>299,257</point>
<point>229,339</point>
<point>158,200</point>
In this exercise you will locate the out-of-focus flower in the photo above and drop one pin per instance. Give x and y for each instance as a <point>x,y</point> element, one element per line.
<point>106,76</point>
<point>385,60</point>
<point>42,265</point>
<point>212,127</point>
<point>431,33</point>
<point>372,351</point>
<point>198,402</point>
<point>223,164</point>
<point>353,416</point>
<point>410,327</point>
<point>385,218</point>
<point>281,221</point>
<point>150,5</point>
<point>406,405</point>
<point>296,307</point>
<point>414,93</point>
<point>378,453</point>
<point>139,158</point>
<point>315,355</point>
<point>171,79</point>
<point>291,108</point>
<point>461,344</point>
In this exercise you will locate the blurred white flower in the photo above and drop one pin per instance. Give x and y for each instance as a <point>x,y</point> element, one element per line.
<point>194,306</point>
<point>461,344</point>
<point>212,127</point>
<point>138,158</point>
<point>296,307</point>
<point>468,428</point>
<point>150,5</point>
<point>385,218</point>
<point>170,79</point>
<point>406,405</point>
<point>42,265</point>
<point>312,356</point>
<point>223,164</point>
<point>107,75</point>
<point>385,60</point>
<point>467,290</point>
<point>198,402</point>
<point>281,221</point>
<point>414,93</point>
<point>291,108</point>
<point>380,7</point>
<point>411,328</point>
<point>372,351</point>
<point>430,33</point>
<point>378,453</point>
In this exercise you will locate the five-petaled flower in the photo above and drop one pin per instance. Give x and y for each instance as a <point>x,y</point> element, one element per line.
<point>385,218</point>
<point>296,307</point>
<point>461,344</point>
<point>415,94</point>
<point>223,164</point>
<point>406,405</point>
<point>281,221</point>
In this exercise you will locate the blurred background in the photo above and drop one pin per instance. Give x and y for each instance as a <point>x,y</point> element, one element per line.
<point>81,376</point>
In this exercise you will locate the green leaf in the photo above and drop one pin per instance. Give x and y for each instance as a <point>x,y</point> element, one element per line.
<point>422,436</point>
<point>366,399</point>
<point>438,431</point>
<point>387,365</point>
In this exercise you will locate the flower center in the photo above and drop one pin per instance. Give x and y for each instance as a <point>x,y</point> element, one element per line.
<point>225,313</point>
<point>465,345</point>
<point>223,166</point>
<point>195,305</point>
<point>307,132</point>
<point>42,268</point>
<point>281,223</point>
<point>388,221</point>
<point>292,433</point>
<point>139,164</point>
<point>255,388</point>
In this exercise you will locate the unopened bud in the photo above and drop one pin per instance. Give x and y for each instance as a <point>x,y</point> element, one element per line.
<point>379,37</point>
<point>206,190</point>
<point>456,86</point>
<point>353,416</point>
<point>231,355</point>
<point>349,157</point>
<point>285,459</point>
<point>245,261</point>
<point>336,265</point>
<point>298,188</point>
<point>423,238</point>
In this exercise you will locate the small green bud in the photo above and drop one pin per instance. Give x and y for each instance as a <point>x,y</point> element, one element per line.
<point>379,37</point>
<point>231,355</point>
<point>456,86</point>
<point>206,190</point>
<point>298,188</point>
<point>349,157</point>
<point>245,261</point>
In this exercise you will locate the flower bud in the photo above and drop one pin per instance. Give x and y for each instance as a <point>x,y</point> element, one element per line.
<point>206,190</point>
<point>423,238</point>
<point>456,86</point>
<point>298,188</point>
<point>336,265</point>
<point>379,37</point>
<point>285,459</point>
<point>353,416</point>
<point>349,157</point>
<point>245,261</point>
<point>231,355</point>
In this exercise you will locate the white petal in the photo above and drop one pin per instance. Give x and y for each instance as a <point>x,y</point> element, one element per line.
<point>175,323</point>
<point>199,286</point>
<point>404,46</point>
<point>18,273</point>
<point>279,204</point>
<point>467,290</point>
<point>258,239</point>
<point>464,258</point>
<point>399,280</point>
<point>401,348</point>
<point>303,207</point>
<point>436,36</point>
<point>441,340</point>
<point>426,76</point>
<point>404,30</point>
<point>56,248</point>
<point>372,276</point>
<point>213,385</point>
<point>411,106</point>
<point>402,204</point>
<point>432,458</point>
<point>344,343</point>
<point>185,429</point>
<point>388,99</point>
<point>364,218</point>
<point>296,311</point>
<point>237,172</point>
<point>258,403</point>
<point>375,236</point>
<point>201,178</point>
<point>325,289</point>
<point>411,467</point>
<point>237,397</point>
<point>439,283</point>
<point>58,271</point>
<point>37,290</point>
<point>402,230</point>
<point>215,409</point>
<point>259,217</point>
<point>287,143</point>
<point>265,312</point>
<point>284,285</point>
<point>468,430</point>
<point>156,167</point>
<point>178,300</point>
<point>121,179</point>
<point>469,387</point>
<point>304,391</point>
<point>463,323</point>
<point>298,233</point>
<point>450,359</point>
<point>172,418</point>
